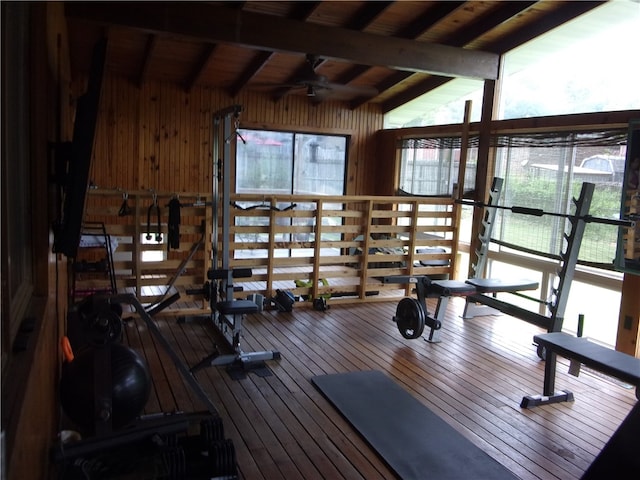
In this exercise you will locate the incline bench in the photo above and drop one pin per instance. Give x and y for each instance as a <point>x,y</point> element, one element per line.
<point>580,351</point>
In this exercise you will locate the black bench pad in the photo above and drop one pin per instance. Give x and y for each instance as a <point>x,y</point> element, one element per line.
<point>479,285</point>
<point>451,287</point>
<point>237,307</point>
<point>601,358</point>
<point>490,285</point>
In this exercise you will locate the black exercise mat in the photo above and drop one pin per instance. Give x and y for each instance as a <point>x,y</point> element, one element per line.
<point>415,442</point>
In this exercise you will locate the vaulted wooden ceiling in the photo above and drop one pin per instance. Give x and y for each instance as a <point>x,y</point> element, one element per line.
<point>386,53</point>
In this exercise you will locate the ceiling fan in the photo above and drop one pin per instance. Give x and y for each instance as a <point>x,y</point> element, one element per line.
<point>318,87</point>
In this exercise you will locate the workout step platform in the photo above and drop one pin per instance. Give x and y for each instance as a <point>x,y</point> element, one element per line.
<point>580,351</point>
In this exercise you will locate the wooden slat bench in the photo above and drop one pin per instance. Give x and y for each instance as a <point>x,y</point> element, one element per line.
<point>580,351</point>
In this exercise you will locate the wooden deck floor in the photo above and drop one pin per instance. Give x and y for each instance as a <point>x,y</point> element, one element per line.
<point>283,428</point>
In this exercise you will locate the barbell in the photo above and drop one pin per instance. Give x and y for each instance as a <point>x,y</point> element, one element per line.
<point>538,212</point>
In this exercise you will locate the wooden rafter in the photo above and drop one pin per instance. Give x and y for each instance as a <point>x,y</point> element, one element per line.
<point>201,66</point>
<point>152,42</point>
<point>411,31</point>
<point>301,11</point>
<point>214,23</point>
<point>552,20</point>
<point>463,36</point>
<point>360,20</point>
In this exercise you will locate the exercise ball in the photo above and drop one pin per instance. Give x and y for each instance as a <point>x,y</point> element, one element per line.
<point>130,385</point>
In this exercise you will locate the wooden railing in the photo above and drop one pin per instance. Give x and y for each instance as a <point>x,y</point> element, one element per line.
<point>310,245</point>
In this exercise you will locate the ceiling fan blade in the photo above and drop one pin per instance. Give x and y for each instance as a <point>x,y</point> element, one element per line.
<point>350,90</point>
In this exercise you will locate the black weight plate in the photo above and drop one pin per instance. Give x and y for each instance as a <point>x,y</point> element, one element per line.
<point>105,328</point>
<point>410,317</point>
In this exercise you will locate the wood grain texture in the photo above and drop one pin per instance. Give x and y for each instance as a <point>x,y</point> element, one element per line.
<point>282,427</point>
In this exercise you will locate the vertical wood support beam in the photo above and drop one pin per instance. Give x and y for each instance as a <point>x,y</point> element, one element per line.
<point>366,234</point>
<point>458,192</point>
<point>317,244</point>
<point>628,338</point>
<point>413,235</point>
<point>486,162</point>
<point>137,249</point>
<point>272,246</point>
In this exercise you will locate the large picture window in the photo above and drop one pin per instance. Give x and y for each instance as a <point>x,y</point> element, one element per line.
<point>546,171</point>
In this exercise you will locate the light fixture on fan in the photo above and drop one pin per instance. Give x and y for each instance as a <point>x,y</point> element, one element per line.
<point>311,92</point>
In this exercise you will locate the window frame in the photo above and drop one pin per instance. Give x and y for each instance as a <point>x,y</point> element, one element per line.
<point>246,131</point>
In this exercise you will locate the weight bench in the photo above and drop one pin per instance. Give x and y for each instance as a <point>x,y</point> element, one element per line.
<point>412,315</point>
<point>580,351</point>
<point>444,289</point>
<point>227,316</point>
<point>228,322</point>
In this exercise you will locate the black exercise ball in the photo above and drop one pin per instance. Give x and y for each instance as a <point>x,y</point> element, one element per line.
<point>130,385</point>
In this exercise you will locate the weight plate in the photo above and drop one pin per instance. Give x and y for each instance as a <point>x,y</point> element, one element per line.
<point>105,327</point>
<point>410,317</point>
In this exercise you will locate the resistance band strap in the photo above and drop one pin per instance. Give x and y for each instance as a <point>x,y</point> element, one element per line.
<point>174,224</point>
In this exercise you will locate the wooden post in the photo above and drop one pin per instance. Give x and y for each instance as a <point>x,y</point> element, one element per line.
<point>627,340</point>
<point>484,169</point>
<point>458,192</point>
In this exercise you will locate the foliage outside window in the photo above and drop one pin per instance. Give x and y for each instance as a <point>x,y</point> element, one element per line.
<point>540,170</point>
<point>546,171</point>
<point>270,162</point>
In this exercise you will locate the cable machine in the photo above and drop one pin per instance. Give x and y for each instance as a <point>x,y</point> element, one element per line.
<point>227,313</point>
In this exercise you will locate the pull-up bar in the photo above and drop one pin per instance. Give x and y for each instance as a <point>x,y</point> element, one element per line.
<point>538,212</point>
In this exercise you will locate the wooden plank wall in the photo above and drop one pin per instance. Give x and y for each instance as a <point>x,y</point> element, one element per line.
<point>30,374</point>
<point>160,137</point>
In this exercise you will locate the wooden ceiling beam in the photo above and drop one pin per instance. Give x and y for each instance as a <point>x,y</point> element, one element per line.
<point>413,92</point>
<point>200,66</point>
<point>413,30</point>
<point>216,24</point>
<point>460,38</point>
<point>366,15</point>
<point>254,67</point>
<point>301,11</point>
<point>152,42</point>
<point>472,30</point>
<point>552,20</point>
<point>360,20</point>
<point>421,24</point>
<point>564,13</point>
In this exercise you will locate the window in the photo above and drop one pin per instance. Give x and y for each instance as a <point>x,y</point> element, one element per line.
<point>291,163</point>
<point>17,248</point>
<point>429,166</point>
<point>545,172</point>
<point>269,162</point>
<point>586,65</point>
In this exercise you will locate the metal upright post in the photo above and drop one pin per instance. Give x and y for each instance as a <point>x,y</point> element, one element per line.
<point>569,258</point>
<point>222,134</point>
<point>487,228</point>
